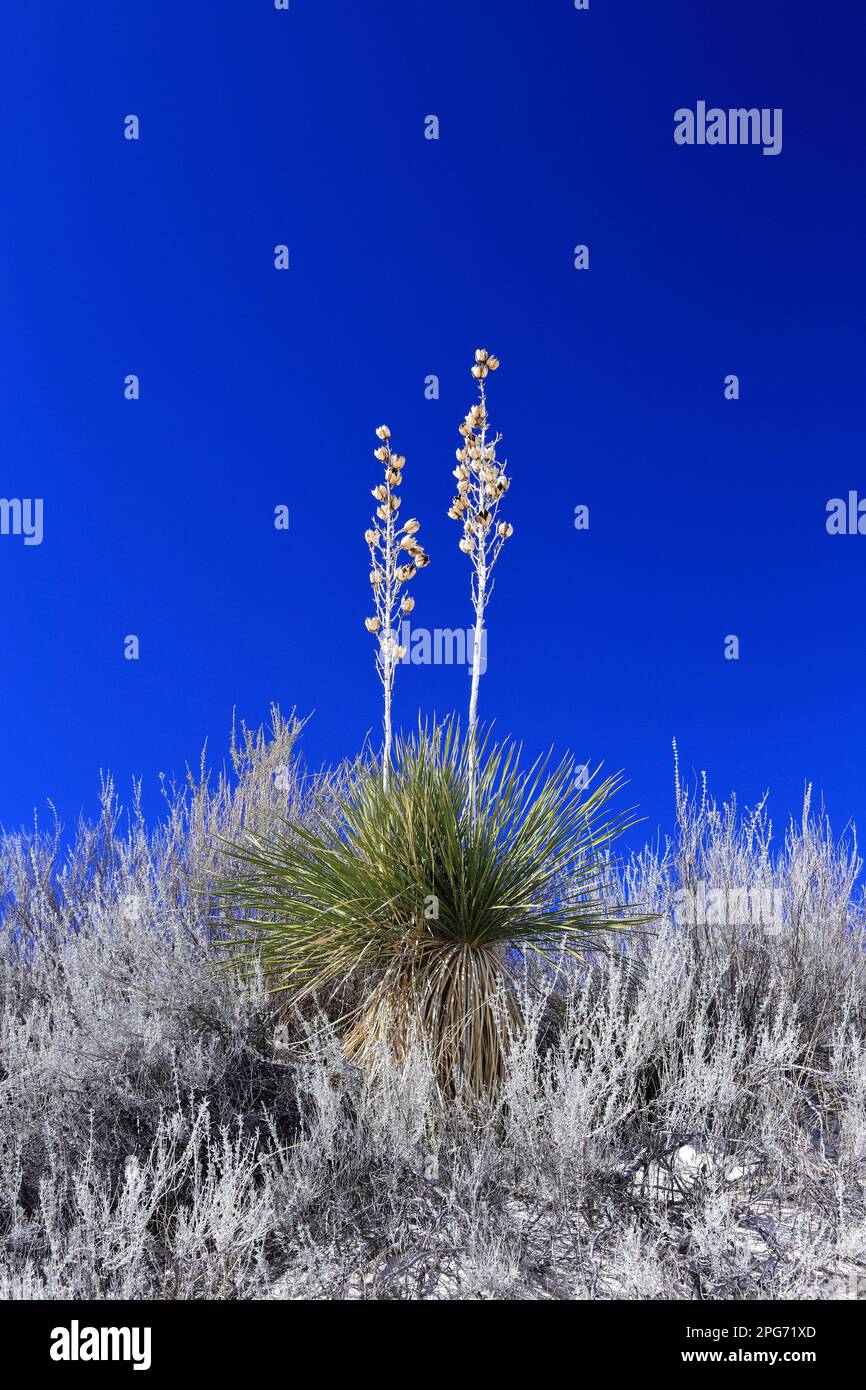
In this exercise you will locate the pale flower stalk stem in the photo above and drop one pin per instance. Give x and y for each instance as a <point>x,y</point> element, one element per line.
<point>389,665</point>
<point>480,603</point>
<point>481,485</point>
<point>387,576</point>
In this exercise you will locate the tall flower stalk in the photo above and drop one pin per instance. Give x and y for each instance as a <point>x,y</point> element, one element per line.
<point>390,571</point>
<point>481,485</point>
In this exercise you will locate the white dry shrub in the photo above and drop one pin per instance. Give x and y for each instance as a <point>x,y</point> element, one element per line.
<point>683,1118</point>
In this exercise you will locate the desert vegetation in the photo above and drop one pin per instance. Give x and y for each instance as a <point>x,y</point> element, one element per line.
<point>416,1027</point>
<point>419,882</point>
<point>682,1117</point>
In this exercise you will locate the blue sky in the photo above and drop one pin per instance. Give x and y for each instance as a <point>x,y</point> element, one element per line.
<point>259,387</point>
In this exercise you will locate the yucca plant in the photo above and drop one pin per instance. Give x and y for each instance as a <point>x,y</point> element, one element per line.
<point>402,894</point>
